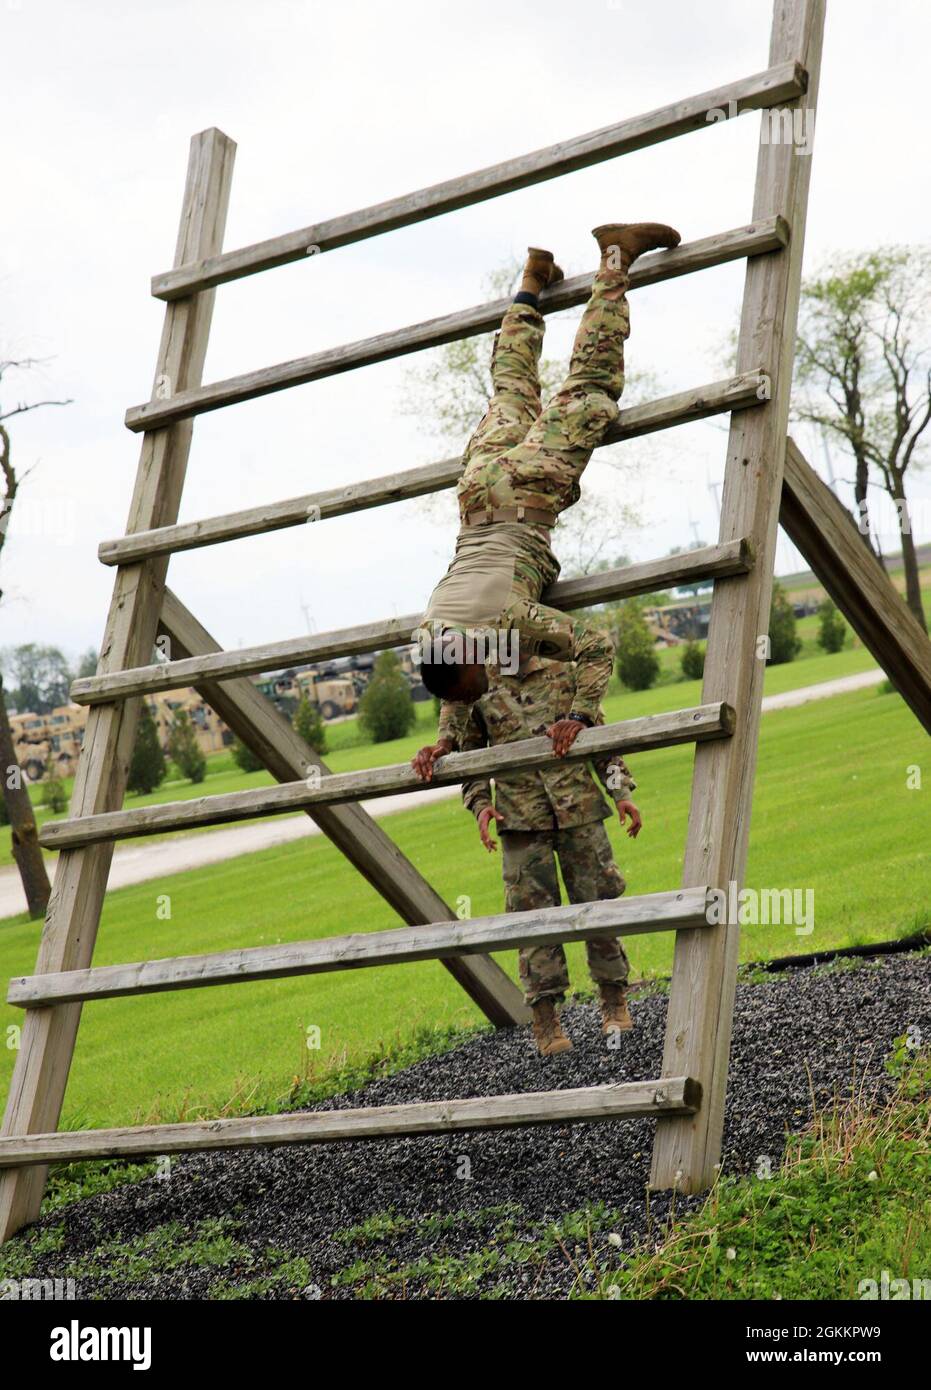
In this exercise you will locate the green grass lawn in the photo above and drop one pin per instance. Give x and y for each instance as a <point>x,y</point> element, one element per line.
<point>833,812</point>
<point>851,1199</point>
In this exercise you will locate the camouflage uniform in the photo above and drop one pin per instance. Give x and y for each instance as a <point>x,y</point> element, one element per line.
<point>557,812</point>
<point>521,456</point>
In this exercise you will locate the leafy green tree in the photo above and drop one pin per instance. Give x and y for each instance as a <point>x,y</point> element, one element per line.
<point>637,662</point>
<point>54,794</point>
<point>244,757</point>
<point>186,753</point>
<point>87,664</point>
<point>692,661</point>
<point>308,723</point>
<point>832,630</point>
<point>147,766</point>
<point>784,642</point>
<point>863,363</point>
<point>386,710</point>
<point>42,677</point>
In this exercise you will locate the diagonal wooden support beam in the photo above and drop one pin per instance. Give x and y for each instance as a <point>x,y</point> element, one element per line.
<point>824,531</point>
<point>254,719</point>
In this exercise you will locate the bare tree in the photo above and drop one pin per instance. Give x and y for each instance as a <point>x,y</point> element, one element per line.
<point>864,365</point>
<point>26,850</point>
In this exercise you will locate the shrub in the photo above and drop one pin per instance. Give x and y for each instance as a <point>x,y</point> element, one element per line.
<point>832,630</point>
<point>637,662</point>
<point>692,661</point>
<point>386,710</point>
<point>147,766</point>
<point>244,757</point>
<point>54,795</point>
<point>784,643</point>
<point>184,749</point>
<point>308,723</point>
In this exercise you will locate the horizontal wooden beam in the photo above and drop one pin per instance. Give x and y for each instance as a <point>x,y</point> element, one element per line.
<point>672,1094</point>
<point>672,911</point>
<point>629,735</point>
<point>682,407</point>
<point>710,562</point>
<point>784,82</point>
<point>825,533</point>
<point>753,239</point>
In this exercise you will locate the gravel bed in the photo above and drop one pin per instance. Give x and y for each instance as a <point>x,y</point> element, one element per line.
<point>455,1200</point>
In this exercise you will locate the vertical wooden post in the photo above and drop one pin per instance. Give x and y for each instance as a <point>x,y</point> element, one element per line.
<point>698,1029</point>
<point>41,1072</point>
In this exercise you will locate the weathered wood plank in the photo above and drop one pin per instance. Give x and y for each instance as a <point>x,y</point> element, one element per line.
<point>628,736</point>
<point>672,911</point>
<point>711,562</point>
<point>636,133</point>
<point>47,1044</point>
<point>672,1094</point>
<point>825,533</point>
<point>753,239</point>
<point>254,719</point>
<point>681,408</point>
<point>701,1002</point>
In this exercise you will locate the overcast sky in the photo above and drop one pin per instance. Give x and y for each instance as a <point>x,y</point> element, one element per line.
<point>335,106</point>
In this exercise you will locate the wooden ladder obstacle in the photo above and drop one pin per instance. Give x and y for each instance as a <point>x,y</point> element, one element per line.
<point>688,1097</point>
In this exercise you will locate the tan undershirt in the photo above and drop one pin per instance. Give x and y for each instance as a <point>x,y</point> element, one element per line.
<point>486,572</point>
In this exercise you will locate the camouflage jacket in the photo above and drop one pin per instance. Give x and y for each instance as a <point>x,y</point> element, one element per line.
<point>523,706</point>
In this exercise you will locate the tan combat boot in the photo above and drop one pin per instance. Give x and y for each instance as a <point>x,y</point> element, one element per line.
<point>628,240</point>
<point>540,271</point>
<point>614,1011</point>
<point>547,1030</point>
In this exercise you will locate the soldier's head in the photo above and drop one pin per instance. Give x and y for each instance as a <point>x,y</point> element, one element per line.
<point>447,675</point>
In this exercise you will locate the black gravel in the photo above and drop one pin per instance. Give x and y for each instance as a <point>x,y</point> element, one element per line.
<point>818,1034</point>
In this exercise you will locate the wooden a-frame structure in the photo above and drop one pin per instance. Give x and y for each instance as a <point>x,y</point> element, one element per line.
<point>763,480</point>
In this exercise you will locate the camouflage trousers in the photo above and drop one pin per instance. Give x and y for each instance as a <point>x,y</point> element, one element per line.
<point>589,873</point>
<point>524,453</point>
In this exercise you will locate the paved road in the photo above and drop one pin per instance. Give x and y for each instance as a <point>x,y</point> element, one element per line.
<point>140,860</point>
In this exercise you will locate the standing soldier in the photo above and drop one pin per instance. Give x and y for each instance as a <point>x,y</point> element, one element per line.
<point>556,813</point>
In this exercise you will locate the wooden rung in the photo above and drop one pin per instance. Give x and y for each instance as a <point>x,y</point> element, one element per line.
<point>673,1094</point>
<point>630,735</point>
<point>681,408</point>
<point>782,82</point>
<point>710,562</point>
<point>751,240</point>
<point>672,911</point>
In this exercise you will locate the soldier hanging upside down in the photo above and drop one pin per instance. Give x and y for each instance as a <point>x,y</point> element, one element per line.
<point>521,469</point>
<point>542,816</point>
